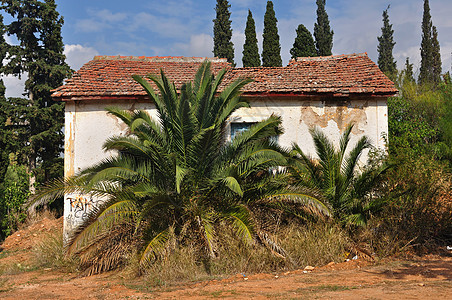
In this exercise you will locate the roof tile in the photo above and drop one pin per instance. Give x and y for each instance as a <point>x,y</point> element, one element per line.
<point>111,76</point>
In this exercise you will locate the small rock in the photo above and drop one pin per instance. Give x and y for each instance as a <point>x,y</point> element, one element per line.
<point>287,273</point>
<point>305,272</point>
<point>421,284</point>
<point>331,263</point>
<point>18,234</point>
<point>246,278</point>
<point>276,276</point>
<point>309,268</point>
<point>34,234</point>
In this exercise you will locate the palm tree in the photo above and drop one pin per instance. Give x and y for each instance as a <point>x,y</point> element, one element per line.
<point>176,176</point>
<point>335,175</point>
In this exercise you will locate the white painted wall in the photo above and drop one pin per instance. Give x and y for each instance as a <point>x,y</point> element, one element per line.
<point>88,126</point>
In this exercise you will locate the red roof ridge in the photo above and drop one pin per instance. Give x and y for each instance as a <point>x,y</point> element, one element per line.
<point>160,58</point>
<point>326,58</point>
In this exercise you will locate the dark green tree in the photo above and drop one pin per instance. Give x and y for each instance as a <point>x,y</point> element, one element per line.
<point>304,43</point>
<point>271,49</point>
<point>408,71</point>
<point>37,26</point>
<point>222,32</point>
<point>436,57</point>
<point>250,50</point>
<point>322,31</point>
<point>385,47</point>
<point>4,136</point>
<point>430,70</point>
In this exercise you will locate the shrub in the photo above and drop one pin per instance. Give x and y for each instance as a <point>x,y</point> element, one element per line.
<point>418,214</point>
<point>14,193</point>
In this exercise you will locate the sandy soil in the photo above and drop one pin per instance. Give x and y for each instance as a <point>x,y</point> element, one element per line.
<point>428,277</point>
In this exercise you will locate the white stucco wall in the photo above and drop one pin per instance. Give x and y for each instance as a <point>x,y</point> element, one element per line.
<point>88,126</point>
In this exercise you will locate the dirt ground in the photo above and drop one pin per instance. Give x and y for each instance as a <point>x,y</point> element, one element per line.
<point>428,277</point>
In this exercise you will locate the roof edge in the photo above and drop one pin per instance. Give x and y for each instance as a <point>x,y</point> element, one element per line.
<point>161,58</point>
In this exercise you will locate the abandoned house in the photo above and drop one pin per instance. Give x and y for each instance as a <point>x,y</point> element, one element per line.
<point>328,92</point>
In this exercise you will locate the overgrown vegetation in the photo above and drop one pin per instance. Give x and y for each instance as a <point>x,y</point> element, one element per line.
<point>186,204</point>
<point>13,195</point>
<point>183,204</point>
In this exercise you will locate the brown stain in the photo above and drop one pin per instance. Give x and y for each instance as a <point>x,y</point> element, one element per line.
<point>341,112</point>
<point>69,149</point>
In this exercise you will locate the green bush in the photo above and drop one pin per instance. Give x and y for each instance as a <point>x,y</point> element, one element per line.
<point>14,193</point>
<point>418,214</point>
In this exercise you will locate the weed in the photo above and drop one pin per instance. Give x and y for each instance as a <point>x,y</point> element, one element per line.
<point>312,244</point>
<point>50,253</point>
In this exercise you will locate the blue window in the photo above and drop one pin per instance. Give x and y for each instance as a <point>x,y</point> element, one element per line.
<point>237,128</point>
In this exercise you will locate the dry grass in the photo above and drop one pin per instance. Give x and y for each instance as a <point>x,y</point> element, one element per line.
<point>315,245</point>
<point>49,252</point>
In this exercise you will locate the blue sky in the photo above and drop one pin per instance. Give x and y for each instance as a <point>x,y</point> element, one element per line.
<point>185,27</point>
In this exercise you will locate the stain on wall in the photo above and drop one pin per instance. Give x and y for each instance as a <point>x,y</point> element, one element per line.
<point>319,113</point>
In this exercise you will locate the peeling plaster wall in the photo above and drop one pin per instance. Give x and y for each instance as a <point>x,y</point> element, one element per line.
<point>330,115</point>
<point>87,126</point>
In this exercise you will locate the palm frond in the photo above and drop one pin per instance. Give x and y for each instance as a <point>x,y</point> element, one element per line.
<point>242,222</point>
<point>154,247</point>
<point>101,220</point>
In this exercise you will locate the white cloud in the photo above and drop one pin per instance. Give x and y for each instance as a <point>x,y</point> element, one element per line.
<point>238,39</point>
<point>14,86</point>
<point>99,20</point>
<point>89,25</point>
<point>200,45</point>
<point>77,55</point>
<point>107,16</point>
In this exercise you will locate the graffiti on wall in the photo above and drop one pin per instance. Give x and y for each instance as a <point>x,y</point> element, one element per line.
<point>80,205</point>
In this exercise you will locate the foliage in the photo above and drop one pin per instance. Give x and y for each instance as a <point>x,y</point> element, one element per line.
<point>419,211</point>
<point>419,120</point>
<point>303,45</point>
<point>430,70</point>
<point>13,195</point>
<point>322,31</point>
<point>4,133</point>
<point>334,174</point>
<point>49,252</point>
<point>222,32</point>
<point>386,43</point>
<point>271,48</point>
<point>37,26</point>
<point>176,175</point>
<point>250,50</point>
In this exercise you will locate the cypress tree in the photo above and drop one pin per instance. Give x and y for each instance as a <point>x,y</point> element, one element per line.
<point>222,32</point>
<point>385,46</point>
<point>408,74</point>
<point>37,26</point>
<point>250,56</point>
<point>271,49</point>
<point>304,43</point>
<point>322,31</point>
<point>436,57</point>
<point>430,70</point>
<point>4,134</point>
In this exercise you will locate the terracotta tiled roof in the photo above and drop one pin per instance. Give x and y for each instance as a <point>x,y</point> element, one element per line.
<point>110,76</point>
